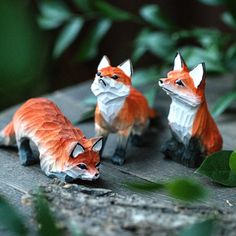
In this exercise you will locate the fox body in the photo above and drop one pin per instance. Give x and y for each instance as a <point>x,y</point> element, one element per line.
<point>64,150</point>
<point>120,108</point>
<point>194,132</point>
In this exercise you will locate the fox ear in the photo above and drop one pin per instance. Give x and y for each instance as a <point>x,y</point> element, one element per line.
<point>97,144</point>
<point>78,149</point>
<point>127,67</point>
<point>198,74</point>
<point>105,62</point>
<point>179,62</point>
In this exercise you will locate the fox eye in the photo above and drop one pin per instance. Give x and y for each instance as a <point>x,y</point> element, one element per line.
<point>115,77</point>
<point>179,82</point>
<point>82,166</point>
<point>98,73</point>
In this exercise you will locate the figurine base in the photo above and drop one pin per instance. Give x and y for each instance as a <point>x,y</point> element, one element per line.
<point>190,156</point>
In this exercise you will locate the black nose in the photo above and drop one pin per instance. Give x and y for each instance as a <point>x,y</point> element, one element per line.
<point>96,174</point>
<point>160,81</point>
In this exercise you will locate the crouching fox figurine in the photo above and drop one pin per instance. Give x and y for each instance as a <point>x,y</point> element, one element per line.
<point>121,109</point>
<point>64,151</point>
<point>194,132</point>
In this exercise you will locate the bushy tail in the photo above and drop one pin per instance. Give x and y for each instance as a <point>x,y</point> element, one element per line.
<point>7,135</point>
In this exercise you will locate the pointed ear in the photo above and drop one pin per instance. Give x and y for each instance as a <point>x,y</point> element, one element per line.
<point>198,74</point>
<point>179,62</point>
<point>78,149</point>
<point>127,67</point>
<point>105,62</point>
<point>97,144</point>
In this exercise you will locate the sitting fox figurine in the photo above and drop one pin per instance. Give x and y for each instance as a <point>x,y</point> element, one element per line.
<point>64,151</point>
<point>194,132</point>
<point>120,108</point>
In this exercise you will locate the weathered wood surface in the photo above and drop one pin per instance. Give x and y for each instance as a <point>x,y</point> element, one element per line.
<point>144,163</point>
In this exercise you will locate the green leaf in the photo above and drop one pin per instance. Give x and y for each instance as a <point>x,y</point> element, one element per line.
<point>212,2</point>
<point>147,187</point>
<point>154,15</point>
<point>89,46</point>
<point>223,103</point>
<point>145,76</point>
<point>158,43</point>
<point>84,5</point>
<point>112,12</point>
<point>232,162</point>
<point>53,14</point>
<point>211,56</point>
<point>10,219</point>
<point>67,35</point>
<point>47,224</point>
<point>186,190</point>
<point>216,167</point>
<point>229,20</point>
<point>204,228</point>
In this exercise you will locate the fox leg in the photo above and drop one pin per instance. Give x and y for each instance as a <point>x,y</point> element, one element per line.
<point>136,135</point>
<point>118,157</point>
<point>26,155</point>
<point>7,135</point>
<point>99,131</point>
<point>193,154</point>
<point>173,149</point>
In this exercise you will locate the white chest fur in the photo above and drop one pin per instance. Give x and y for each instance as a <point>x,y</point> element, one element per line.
<point>111,96</point>
<point>181,118</point>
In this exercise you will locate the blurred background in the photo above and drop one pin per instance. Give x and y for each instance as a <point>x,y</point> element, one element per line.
<point>48,45</point>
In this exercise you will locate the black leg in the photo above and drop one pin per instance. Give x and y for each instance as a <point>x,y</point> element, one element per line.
<point>193,155</point>
<point>173,149</point>
<point>137,140</point>
<point>103,145</point>
<point>118,157</point>
<point>26,155</point>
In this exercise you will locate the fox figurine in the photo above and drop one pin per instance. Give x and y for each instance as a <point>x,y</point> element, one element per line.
<point>64,151</point>
<point>121,109</point>
<point>194,132</point>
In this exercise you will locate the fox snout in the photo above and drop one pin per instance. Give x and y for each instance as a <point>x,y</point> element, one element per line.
<point>160,82</point>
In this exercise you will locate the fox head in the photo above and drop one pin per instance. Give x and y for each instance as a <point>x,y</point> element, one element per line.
<point>77,160</point>
<point>187,86</point>
<point>112,82</point>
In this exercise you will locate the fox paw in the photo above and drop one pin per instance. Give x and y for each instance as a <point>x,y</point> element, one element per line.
<point>117,160</point>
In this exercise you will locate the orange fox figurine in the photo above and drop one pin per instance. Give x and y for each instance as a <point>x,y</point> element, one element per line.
<point>194,132</point>
<point>64,151</point>
<point>120,108</point>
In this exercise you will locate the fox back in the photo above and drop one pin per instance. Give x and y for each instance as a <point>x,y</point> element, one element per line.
<point>63,148</point>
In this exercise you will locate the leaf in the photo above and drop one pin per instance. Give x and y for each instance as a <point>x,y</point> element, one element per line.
<point>53,14</point>
<point>84,5</point>
<point>145,76</point>
<point>148,186</point>
<point>154,15</point>
<point>223,103</point>
<point>47,224</point>
<point>158,43</point>
<point>216,167</point>
<point>212,2</point>
<point>204,228</point>
<point>229,20</point>
<point>186,190</point>
<point>112,12</point>
<point>89,46</point>
<point>232,162</point>
<point>67,35</point>
<point>211,56</point>
<point>10,219</point>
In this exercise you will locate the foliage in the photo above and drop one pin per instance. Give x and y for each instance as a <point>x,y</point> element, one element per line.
<point>220,167</point>
<point>158,36</point>
<point>183,189</point>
